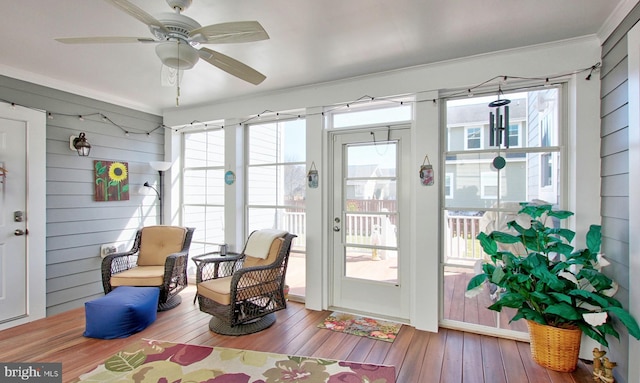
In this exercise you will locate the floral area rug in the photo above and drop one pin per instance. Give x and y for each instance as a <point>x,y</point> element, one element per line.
<point>361,326</point>
<point>157,361</point>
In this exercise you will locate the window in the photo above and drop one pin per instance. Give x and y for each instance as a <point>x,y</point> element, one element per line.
<point>276,175</point>
<point>514,135</point>
<point>448,185</point>
<point>370,113</point>
<point>481,198</point>
<point>474,138</point>
<point>203,190</point>
<point>489,185</point>
<point>546,170</point>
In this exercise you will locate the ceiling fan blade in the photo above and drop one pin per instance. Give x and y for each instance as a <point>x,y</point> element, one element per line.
<point>104,40</point>
<point>139,14</point>
<point>233,32</point>
<point>231,66</point>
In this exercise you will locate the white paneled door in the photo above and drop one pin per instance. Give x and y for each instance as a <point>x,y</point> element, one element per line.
<point>21,296</point>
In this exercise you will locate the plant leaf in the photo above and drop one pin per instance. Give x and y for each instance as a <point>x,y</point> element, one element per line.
<point>504,237</point>
<point>564,311</point>
<point>498,275</point>
<point>626,319</point>
<point>476,281</point>
<point>512,300</point>
<point>561,214</point>
<point>560,297</point>
<point>542,298</point>
<point>593,334</point>
<point>488,244</point>
<point>589,296</point>
<point>598,280</point>
<point>594,238</point>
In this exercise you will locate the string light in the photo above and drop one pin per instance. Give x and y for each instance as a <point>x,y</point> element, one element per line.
<point>366,98</point>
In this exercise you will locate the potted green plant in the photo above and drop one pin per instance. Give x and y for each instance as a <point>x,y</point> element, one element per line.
<point>553,286</point>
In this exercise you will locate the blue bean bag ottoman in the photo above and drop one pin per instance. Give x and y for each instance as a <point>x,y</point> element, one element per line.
<point>123,312</point>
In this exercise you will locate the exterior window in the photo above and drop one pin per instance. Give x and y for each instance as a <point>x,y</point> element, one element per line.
<point>448,185</point>
<point>514,135</point>
<point>546,170</point>
<point>481,198</point>
<point>474,138</point>
<point>488,185</point>
<point>203,191</point>
<point>276,169</point>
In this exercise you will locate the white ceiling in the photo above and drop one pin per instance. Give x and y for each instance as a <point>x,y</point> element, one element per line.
<point>311,41</point>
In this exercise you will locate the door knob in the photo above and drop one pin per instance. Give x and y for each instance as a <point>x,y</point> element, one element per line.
<point>18,232</point>
<point>336,228</point>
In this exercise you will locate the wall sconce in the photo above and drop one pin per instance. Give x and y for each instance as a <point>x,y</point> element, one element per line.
<point>80,144</point>
<point>161,167</point>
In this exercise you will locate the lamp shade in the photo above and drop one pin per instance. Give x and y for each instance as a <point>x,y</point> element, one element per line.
<point>160,166</point>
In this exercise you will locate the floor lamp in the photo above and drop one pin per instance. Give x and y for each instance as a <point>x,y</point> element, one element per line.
<point>161,167</point>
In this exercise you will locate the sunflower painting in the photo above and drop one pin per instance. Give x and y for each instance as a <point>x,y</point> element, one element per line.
<point>111,181</point>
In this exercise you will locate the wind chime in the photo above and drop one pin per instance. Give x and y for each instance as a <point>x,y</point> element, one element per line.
<point>499,128</point>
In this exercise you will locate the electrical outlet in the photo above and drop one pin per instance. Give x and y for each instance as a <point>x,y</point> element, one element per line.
<point>108,248</point>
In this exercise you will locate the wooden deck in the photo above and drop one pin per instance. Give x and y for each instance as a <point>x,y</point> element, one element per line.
<point>447,356</point>
<point>474,310</point>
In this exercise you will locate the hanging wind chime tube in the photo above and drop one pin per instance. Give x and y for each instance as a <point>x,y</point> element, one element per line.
<point>499,128</point>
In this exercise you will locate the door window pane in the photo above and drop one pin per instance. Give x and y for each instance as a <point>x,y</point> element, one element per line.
<point>370,212</point>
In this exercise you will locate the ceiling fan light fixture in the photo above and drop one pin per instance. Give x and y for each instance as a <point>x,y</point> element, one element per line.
<point>178,55</point>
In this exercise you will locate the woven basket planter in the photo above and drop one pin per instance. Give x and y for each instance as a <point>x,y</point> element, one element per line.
<point>554,348</point>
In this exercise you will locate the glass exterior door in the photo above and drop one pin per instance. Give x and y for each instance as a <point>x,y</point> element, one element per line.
<point>367,262</point>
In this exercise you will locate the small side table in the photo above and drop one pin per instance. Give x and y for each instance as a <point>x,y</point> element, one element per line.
<point>216,258</point>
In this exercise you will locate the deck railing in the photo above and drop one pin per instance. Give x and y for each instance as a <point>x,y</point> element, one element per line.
<point>460,238</point>
<point>460,243</point>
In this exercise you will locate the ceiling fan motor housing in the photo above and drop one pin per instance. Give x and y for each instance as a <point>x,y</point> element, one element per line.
<point>177,52</point>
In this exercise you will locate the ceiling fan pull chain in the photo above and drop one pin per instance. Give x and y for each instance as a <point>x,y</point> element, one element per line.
<point>178,78</point>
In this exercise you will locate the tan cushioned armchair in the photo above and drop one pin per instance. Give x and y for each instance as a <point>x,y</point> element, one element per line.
<point>243,293</point>
<point>158,258</point>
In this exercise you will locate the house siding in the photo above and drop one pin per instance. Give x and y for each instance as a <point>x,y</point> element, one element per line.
<point>76,224</point>
<point>614,179</point>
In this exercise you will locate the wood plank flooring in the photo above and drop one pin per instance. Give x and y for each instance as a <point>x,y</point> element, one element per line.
<point>447,356</point>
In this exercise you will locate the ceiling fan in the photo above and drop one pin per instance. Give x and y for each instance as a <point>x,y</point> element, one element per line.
<point>179,37</point>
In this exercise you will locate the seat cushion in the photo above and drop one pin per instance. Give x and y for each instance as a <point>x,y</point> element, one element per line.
<point>139,276</point>
<point>121,313</point>
<point>158,242</point>
<point>219,289</point>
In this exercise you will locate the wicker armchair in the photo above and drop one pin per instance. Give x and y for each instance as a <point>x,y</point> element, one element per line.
<point>158,258</point>
<point>242,292</point>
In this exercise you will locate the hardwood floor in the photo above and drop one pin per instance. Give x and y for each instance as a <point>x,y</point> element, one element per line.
<point>447,356</point>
